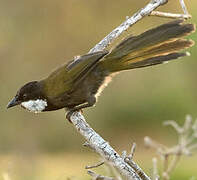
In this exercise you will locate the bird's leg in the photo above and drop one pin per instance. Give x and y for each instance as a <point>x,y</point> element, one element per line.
<point>90,102</point>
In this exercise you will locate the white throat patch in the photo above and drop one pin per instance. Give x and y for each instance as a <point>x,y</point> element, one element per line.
<point>35,106</point>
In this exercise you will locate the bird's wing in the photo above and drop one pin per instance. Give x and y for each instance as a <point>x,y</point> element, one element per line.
<point>66,77</point>
<point>79,68</point>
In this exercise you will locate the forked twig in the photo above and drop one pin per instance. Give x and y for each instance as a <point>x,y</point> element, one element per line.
<point>102,147</point>
<point>129,160</point>
<point>186,144</point>
<point>170,15</point>
<point>95,166</point>
<point>98,176</point>
<point>185,14</point>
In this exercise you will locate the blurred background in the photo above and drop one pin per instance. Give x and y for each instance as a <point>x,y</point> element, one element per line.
<point>36,36</point>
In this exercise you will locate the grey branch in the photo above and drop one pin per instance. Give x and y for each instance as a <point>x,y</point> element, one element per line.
<point>87,144</point>
<point>98,176</point>
<point>95,165</point>
<point>185,145</point>
<point>137,169</point>
<point>133,147</point>
<point>129,159</point>
<point>152,5</point>
<point>102,147</point>
<point>170,15</point>
<point>185,14</point>
<point>183,6</point>
<point>178,129</point>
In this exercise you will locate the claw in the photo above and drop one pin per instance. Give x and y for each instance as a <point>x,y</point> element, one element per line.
<point>69,114</point>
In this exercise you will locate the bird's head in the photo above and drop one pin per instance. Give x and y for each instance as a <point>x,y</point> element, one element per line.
<point>29,97</point>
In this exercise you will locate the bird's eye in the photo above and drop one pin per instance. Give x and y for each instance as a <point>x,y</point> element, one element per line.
<point>24,95</point>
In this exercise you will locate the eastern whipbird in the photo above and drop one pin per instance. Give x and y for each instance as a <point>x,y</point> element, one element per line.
<point>77,84</point>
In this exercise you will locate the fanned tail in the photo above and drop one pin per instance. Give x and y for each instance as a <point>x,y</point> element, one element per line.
<point>152,47</point>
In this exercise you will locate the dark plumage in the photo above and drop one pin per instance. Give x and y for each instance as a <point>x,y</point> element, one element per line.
<point>77,84</point>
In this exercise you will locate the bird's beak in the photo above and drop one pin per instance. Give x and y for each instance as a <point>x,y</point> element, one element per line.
<point>13,102</point>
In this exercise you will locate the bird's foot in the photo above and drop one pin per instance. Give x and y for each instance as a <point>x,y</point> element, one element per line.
<point>70,112</point>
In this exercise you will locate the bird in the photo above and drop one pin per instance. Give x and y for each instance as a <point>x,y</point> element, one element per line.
<point>77,84</point>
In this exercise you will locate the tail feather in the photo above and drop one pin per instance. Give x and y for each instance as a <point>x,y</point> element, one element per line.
<point>155,36</point>
<point>154,46</point>
<point>156,60</point>
<point>162,49</point>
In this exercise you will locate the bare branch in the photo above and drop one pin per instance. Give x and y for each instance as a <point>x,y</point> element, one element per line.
<point>188,123</point>
<point>137,169</point>
<point>155,169</point>
<point>95,166</point>
<point>185,14</point>
<point>185,145</point>
<point>170,15</point>
<point>152,5</point>
<point>183,6</point>
<point>173,164</point>
<point>165,163</point>
<point>133,147</point>
<point>102,147</point>
<point>124,154</point>
<point>87,144</point>
<point>99,177</point>
<point>174,124</point>
<point>160,148</point>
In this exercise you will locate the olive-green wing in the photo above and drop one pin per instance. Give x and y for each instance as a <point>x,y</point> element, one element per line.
<point>66,77</point>
<point>78,69</point>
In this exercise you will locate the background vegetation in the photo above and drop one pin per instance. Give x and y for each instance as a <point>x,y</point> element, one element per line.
<point>38,35</point>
